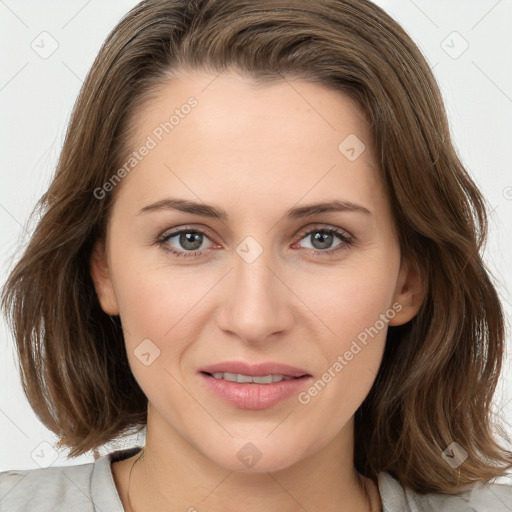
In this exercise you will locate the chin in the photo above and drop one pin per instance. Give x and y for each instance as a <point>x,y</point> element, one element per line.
<point>259,455</point>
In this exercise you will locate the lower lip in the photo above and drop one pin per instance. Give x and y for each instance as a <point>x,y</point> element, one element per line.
<point>252,395</point>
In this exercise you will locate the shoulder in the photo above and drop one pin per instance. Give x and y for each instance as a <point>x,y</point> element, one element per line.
<point>44,488</point>
<point>492,497</point>
<point>82,488</point>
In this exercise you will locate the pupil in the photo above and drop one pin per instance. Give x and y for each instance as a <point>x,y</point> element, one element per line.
<point>191,241</point>
<point>322,240</point>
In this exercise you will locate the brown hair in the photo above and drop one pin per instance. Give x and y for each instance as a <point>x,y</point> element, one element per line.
<point>439,371</point>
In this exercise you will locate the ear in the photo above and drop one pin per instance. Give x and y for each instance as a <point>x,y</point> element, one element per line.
<point>409,293</point>
<point>102,281</point>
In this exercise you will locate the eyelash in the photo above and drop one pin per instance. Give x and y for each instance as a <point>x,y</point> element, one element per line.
<point>346,239</point>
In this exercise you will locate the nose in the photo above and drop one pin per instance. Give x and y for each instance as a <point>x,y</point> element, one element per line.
<point>256,302</point>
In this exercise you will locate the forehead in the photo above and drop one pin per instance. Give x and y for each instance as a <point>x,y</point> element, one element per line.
<point>230,105</point>
<point>219,133</point>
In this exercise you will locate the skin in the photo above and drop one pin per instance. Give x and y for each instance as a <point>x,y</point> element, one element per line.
<point>255,152</point>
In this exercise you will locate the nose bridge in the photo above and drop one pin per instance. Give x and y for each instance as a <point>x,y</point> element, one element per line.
<point>256,305</point>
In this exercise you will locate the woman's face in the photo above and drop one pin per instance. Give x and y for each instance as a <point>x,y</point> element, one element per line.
<point>259,275</point>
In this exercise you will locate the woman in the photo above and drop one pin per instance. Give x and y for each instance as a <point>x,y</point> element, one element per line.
<point>261,247</point>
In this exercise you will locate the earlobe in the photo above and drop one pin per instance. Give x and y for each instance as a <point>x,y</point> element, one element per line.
<point>409,293</point>
<point>102,280</point>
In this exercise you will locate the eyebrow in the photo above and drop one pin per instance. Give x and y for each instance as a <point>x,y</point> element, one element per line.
<point>213,212</point>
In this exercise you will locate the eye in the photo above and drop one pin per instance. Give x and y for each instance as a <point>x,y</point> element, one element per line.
<point>188,242</point>
<point>185,242</point>
<point>321,240</point>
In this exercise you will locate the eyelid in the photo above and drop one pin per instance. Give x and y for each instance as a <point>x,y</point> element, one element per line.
<point>298,236</point>
<point>324,227</point>
<point>199,228</point>
<point>346,238</point>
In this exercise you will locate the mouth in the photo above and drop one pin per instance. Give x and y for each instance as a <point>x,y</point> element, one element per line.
<point>252,379</point>
<point>243,372</point>
<point>246,386</point>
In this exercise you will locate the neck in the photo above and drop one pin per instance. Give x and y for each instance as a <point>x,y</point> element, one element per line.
<point>175,476</point>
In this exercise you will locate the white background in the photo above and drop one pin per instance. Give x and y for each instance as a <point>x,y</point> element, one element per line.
<point>37,94</point>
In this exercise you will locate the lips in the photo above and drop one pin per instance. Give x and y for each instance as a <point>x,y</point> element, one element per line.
<point>255,396</point>
<point>255,369</point>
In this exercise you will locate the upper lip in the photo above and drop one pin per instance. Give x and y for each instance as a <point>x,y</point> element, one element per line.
<point>255,369</point>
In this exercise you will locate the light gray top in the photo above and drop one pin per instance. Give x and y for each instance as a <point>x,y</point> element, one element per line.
<point>91,488</point>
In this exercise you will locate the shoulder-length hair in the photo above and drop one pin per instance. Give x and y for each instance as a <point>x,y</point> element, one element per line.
<point>439,371</point>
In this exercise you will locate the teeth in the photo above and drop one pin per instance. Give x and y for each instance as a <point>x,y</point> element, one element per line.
<point>237,377</point>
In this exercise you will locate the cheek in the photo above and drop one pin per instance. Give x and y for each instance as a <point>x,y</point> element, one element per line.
<point>353,308</point>
<point>153,297</point>
<point>148,306</point>
<point>352,299</point>
<point>156,317</point>
<point>157,305</point>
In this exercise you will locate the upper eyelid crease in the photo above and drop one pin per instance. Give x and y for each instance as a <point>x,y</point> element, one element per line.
<point>343,235</point>
<point>219,213</point>
<point>302,233</point>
